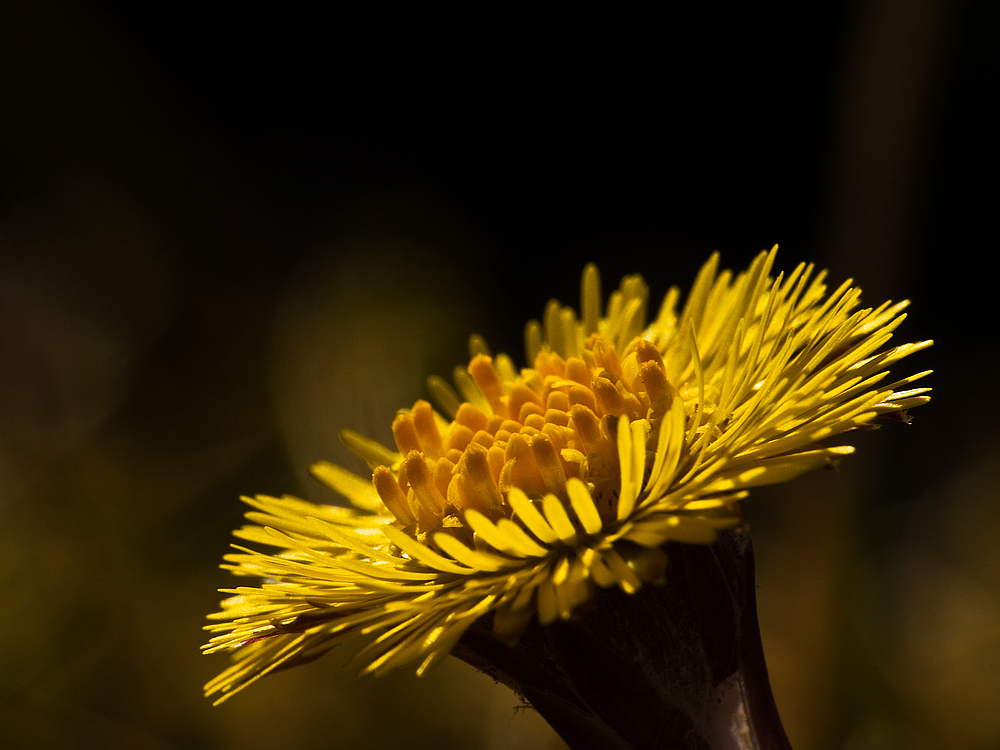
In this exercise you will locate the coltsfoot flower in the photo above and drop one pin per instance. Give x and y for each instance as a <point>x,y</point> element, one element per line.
<point>540,485</point>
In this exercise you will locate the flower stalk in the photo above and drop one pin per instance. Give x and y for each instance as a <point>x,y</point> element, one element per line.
<point>675,666</point>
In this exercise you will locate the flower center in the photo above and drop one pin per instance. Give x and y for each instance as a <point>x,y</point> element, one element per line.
<point>556,421</point>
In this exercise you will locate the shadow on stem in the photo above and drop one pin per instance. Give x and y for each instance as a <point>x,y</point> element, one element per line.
<point>672,667</point>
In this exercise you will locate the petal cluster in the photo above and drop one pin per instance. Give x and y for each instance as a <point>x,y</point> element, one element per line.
<point>530,488</point>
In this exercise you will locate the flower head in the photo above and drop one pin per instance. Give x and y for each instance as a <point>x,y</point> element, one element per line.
<point>541,485</point>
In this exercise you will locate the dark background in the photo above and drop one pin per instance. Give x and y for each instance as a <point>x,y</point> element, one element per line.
<point>226,235</point>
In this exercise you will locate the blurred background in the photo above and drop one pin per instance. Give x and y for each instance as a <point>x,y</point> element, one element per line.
<point>225,236</point>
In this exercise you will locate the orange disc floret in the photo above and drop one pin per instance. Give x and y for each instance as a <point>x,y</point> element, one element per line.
<point>548,424</point>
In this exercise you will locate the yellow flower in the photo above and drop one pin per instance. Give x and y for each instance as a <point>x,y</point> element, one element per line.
<point>572,474</point>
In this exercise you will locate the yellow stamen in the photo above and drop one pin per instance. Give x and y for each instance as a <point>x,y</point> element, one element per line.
<point>580,395</point>
<point>557,416</point>
<point>646,351</point>
<point>479,489</point>
<point>549,464</point>
<point>587,427</point>
<point>423,486</point>
<point>494,456</point>
<point>550,363</point>
<point>557,400</point>
<point>459,437</point>
<point>482,438</point>
<point>471,417</point>
<point>605,356</point>
<point>590,297</point>
<point>393,497</point>
<point>442,474</point>
<point>553,327</point>
<point>486,378</point>
<point>534,421</point>
<point>446,396</point>
<point>577,369</point>
<point>527,409</point>
<point>520,469</point>
<point>426,428</point>
<point>521,396</point>
<point>654,380</point>
<point>493,424</point>
<point>405,434</point>
<point>609,400</point>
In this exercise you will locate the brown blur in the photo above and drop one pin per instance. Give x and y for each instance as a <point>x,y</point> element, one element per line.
<point>223,240</point>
